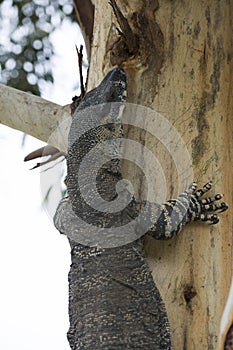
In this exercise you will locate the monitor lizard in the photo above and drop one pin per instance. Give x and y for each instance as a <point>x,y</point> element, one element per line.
<point>113,300</point>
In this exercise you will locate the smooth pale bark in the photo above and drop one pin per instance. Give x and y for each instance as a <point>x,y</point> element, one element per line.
<point>35,116</point>
<point>188,79</point>
<point>192,88</point>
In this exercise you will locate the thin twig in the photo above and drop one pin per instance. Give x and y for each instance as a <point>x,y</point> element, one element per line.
<point>80,66</point>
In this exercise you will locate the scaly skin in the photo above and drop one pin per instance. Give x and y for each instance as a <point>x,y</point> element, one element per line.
<point>113,301</point>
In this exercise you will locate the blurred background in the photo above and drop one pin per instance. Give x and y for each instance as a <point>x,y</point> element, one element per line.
<point>37,55</point>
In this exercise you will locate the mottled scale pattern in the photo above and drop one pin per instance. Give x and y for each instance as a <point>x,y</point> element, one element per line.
<point>188,207</point>
<point>113,301</point>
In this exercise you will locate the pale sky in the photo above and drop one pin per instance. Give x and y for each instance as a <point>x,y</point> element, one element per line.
<point>34,257</point>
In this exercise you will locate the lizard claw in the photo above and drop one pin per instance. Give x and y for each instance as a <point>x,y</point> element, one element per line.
<point>201,208</point>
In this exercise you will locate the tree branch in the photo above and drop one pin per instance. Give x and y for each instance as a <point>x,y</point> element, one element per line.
<point>35,116</point>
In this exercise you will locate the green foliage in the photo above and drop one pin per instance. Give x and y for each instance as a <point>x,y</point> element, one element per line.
<point>46,197</point>
<point>25,46</point>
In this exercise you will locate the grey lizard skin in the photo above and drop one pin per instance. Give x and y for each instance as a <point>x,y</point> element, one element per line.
<point>113,300</point>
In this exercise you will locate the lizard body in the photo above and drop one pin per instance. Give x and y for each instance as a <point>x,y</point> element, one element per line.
<point>113,301</point>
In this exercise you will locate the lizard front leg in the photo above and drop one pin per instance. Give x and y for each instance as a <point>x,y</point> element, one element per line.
<point>190,206</point>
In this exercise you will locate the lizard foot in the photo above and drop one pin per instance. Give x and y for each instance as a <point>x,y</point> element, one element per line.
<point>201,208</point>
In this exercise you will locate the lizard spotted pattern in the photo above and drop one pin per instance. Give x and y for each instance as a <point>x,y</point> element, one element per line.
<point>113,301</point>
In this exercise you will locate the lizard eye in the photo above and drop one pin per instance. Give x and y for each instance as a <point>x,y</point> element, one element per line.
<point>113,96</point>
<point>110,127</point>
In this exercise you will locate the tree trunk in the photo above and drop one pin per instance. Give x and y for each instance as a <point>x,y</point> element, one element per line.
<point>183,70</point>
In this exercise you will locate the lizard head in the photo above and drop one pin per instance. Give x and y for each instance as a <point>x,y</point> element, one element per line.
<point>101,106</point>
<point>112,89</point>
